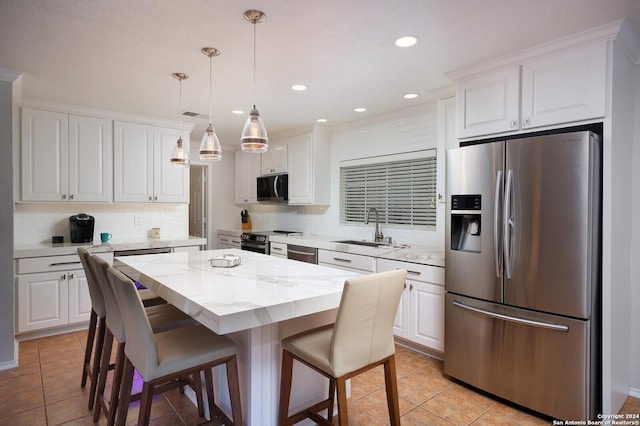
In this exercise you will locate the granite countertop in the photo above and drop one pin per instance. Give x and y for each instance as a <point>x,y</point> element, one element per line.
<point>48,249</point>
<point>261,290</point>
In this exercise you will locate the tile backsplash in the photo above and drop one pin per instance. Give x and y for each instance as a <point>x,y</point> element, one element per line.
<point>36,223</point>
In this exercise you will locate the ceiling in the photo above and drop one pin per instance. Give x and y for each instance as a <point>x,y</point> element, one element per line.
<point>118,55</point>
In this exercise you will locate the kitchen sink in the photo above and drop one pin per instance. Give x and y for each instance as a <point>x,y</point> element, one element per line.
<point>362,243</point>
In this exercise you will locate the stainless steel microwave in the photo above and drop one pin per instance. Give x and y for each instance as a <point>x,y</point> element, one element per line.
<point>274,188</point>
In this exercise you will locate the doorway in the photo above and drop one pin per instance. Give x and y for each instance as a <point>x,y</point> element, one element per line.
<point>198,201</point>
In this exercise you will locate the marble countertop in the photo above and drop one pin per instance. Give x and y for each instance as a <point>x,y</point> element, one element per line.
<point>261,290</point>
<point>48,249</point>
<point>433,256</point>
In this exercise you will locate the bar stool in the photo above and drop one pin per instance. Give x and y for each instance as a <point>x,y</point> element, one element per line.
<point>360,339</point>
<point>162,318</point>
<point>96,320</point>
<point>164,360</point>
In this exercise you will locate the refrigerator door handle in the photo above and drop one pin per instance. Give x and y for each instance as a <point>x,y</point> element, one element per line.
<point>507,222</point>
<point>496,219</point>
<point>551,326</point>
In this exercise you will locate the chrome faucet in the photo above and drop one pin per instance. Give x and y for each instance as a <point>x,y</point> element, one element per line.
<point>378,235</point>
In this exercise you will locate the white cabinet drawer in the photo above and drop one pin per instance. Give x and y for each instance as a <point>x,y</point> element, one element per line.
<point>346,260</point>
<point>278,249</point>
<point>68,262</point>
<point>415,271</point>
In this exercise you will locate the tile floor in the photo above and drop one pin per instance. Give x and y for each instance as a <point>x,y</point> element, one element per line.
<point>45,390</point>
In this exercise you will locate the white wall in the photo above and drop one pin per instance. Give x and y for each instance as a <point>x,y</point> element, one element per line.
<point>635,249</point>
<point>405,130</point>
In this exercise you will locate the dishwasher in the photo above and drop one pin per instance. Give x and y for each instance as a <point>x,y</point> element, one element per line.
<point>303,254</point>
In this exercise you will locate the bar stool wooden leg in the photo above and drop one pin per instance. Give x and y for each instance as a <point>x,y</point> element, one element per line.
<point>86,366</point>
<point>233,382</point>
<point>125,393</point>
<point>392,390</point>
<point>343,416</point>
<point>102,375</point>
<point>97,356</point>
<point>332,394</point>
<point>285,387</point>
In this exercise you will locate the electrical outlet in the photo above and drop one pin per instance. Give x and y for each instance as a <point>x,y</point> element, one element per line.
<point>137,220</point>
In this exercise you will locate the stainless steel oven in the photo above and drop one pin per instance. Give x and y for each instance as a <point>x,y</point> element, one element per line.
<point>258,242</point>
<point>255,242</point>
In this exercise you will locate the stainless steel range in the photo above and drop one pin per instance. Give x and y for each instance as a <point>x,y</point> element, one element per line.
<point>258,242</point>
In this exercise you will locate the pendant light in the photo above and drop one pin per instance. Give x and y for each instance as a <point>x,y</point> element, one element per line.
<point>210,146</point>
<point>254,135</point>
<point>180,154</point>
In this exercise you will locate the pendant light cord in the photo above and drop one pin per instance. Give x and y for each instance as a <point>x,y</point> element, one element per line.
<point>254,63</point>
<point>180,106</point>
<point>210,92</point>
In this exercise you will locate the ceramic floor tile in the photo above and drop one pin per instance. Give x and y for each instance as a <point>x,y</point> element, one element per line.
<point>480,398</point>
<point>491,418</point>
<point>66,410</point>
<point>376,404</point>
<point>519,416</point>
<point>21,400</point>
<point>421,417</point>
<point>422,386</point>
<point>32,417</point>
<point>407,364</point>
<point>360,387</point>
<point>453,408</point>
<point>23,382</point>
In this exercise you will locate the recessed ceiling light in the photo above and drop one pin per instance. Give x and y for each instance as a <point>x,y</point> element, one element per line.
<point>299,87</point>
<point>406,41</point>
<point>237,111</point>
<point>321,120</point>
<point>410,95</point>
<point>360,109</point>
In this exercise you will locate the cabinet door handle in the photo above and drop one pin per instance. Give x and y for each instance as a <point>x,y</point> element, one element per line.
<point>64,263</point>
<point>525,122</point>
<point>411,287</point>
<point>64,277</point>
<point>64,196</point>
<point>405,285</point>
<point>155,198</point>
<point>514,123</point>
<point>338,259</point>
<point>70,276</point>
<point>150,199</point>
<point>71,196</point>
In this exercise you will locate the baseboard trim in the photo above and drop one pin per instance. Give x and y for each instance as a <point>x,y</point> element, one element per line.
<point>8,365</point>
<point>634,392</point>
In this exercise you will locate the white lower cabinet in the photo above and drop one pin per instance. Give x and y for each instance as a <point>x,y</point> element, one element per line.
<point>420,316</point>
<point>228,240</point>
<point>52,291</point>
<point>346,261</point>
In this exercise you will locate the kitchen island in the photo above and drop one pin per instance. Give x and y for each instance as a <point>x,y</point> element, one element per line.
<point>256,304</point>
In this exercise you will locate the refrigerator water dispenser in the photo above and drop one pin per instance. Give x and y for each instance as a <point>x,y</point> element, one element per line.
<point>466,223</point>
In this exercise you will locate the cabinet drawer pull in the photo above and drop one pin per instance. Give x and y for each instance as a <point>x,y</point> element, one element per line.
<point>64,263</point>
<point>276,248</point>
<point>338,259</point>
<point>413,272</point>
<point>224,240</point>
<point>235,242</point>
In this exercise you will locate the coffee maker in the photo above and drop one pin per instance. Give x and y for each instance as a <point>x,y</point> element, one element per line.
<point>81,227</point>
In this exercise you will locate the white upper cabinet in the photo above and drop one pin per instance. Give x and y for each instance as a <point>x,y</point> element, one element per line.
<point>66,157</point>
<point>488,104</point>
<point>246,172</point>
<point>309,181</point>
<point>142,168</point>
<point>564,86</point>
<point>274,161</point>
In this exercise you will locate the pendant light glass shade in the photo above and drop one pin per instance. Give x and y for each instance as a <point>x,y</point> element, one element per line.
<point>210,146</point>
<point>210,149</point>
<point>180,154</point>
<point>254,135</point>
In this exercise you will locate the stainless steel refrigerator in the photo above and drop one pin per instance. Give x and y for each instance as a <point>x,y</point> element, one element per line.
<point>523,275</point>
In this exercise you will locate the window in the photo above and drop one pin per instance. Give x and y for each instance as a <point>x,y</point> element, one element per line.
<point>402,187</point>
